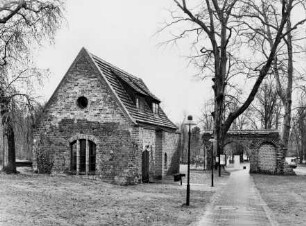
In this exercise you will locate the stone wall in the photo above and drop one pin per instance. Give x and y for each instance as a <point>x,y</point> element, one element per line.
<point>160,142</point>
<point>267,158</point>
<point>82,79</point>
<point>172,148</point>
<point>264,157</point>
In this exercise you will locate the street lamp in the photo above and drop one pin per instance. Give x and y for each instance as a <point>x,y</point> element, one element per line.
<point>212,140</point>
<point>189,123</point>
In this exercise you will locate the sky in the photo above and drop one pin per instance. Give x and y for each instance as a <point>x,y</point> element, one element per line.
<point>123,33</point>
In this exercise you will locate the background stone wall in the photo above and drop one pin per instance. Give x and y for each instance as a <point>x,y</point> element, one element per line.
<point>267,158</point>
<point>171,146</point>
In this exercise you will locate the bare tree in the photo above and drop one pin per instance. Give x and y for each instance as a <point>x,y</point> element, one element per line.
<point>22,23</point>
<point>299,127</point>
<point>266,105</point>
<point>205,119</point>
<point>220,29</point>
<point>24,121</point>
<point>298,132</point>
<point>17,102</point>
<point>243,121</point>
<point>195,145</point>
<point>283,69</point>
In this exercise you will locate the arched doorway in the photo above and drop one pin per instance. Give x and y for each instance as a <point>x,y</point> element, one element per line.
<point>234,148</point>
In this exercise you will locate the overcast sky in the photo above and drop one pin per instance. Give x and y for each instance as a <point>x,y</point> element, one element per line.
<point>122,33</point>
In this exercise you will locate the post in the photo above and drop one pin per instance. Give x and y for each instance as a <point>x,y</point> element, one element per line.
<point>188,170</point>
<point>204,157</point>
<point>212,165</point>
<point>218,149</point>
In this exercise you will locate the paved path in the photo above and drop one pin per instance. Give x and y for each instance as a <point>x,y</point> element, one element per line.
<point>238,203</point>
<point>300,169</point>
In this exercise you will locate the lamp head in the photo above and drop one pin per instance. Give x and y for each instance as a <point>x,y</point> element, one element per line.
<point>189,121</point>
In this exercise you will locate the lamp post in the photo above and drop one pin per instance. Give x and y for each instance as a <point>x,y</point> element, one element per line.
<point>204,157</point>
<point>189,123</point>
<point>212,140</point>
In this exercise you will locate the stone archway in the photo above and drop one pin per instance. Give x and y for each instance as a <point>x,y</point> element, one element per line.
<point>263,147</point>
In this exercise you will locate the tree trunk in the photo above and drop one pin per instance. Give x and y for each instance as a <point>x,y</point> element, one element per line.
<point>303,146</point>
<point>277,118</point>
<point>300,150</point>
<point>288,99</point>
<point>9,162</point>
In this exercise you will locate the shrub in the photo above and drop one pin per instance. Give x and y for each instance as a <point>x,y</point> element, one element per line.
<point>44,158</point>
<point>45,161</point>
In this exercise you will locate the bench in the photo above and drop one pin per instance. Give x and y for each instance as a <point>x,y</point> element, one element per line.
<point>178,177</point>
<point>23,163</point>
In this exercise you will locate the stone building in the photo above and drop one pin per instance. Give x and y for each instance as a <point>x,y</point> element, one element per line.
<point>104,121</point>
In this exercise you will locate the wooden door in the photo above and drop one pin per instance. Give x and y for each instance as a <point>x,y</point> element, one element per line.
<point>145,166</point>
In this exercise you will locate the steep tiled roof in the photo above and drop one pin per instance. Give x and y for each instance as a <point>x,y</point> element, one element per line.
<point>116,78</point>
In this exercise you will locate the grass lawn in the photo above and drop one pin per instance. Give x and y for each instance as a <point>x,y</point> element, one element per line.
<point>285,195</point>
<point>53,200</point>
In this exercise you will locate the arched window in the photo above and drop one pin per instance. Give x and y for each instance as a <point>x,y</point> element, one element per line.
<point>165,161</point>
<point>86,152</point>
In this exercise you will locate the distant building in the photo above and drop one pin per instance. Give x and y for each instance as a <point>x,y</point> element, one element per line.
<point>101,120</point>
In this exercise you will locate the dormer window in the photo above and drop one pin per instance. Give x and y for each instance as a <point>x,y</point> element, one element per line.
<point>155,108</point>
<point>137,102</point>
<point>140,105</point>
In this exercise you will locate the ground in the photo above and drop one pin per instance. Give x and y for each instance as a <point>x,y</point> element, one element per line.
<point>285,195</point>
<point>31,199</point>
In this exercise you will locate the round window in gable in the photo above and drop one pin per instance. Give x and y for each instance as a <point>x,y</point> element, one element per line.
<point>82,102</point>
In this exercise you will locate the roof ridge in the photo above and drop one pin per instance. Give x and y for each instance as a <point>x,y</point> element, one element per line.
<point>113,66</point>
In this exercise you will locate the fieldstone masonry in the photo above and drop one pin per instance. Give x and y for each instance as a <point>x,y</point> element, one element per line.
<point>263,147</point>
<point>267,158</point>
<point>119,140</point>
